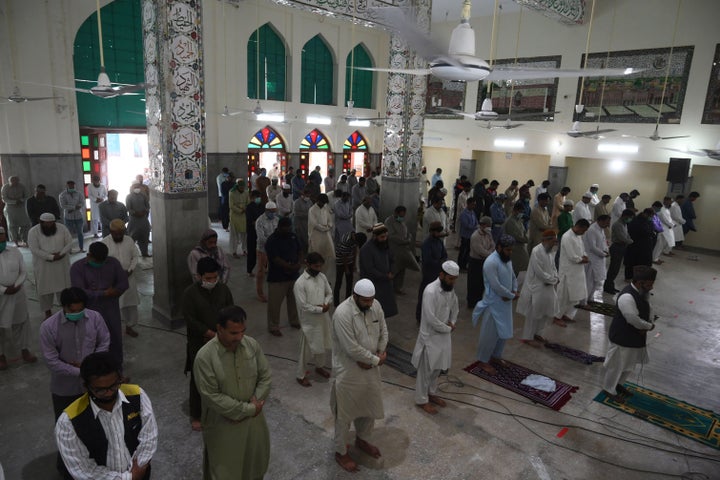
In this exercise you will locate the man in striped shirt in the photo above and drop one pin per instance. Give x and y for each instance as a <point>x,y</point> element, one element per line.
<point>345,253</point>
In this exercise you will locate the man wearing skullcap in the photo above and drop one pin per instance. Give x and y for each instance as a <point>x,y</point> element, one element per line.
<point>582,209</point>
<point>239,199</point>
<point>376,263</point>
<point>50,243</point>
<point>571,268</point>
<point>265,225</point>
<point>496,306</point>
<point>285,201</point>
<point>360,337</point>
<point>594,199</point>
<point>596,248</point>
<point>628,332</point>
<point>122,247</point>
<point>433,348</point>
<point>538,299</point>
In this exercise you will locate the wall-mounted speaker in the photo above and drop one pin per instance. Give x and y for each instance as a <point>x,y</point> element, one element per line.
<point>678,170</point>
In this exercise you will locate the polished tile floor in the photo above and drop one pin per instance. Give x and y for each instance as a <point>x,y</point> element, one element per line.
<point>485,432</point>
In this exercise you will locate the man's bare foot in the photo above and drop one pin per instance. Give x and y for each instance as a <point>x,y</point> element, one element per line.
<point>437,401</point>
<point>368,448</point>
<point>346,462</point>
<point>559,322</point>
<point>195,425</point>
<point>487,368</point>
<point>427,408</point>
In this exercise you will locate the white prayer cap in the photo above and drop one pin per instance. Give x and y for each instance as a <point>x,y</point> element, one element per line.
<point>47,217</point>
<point>451,268</point>
<point>270,205</point>
<point>594,185</point>
<point>286,187</point>
<point>587,195</point>
<point>364,288</point>
<point>568,202</point>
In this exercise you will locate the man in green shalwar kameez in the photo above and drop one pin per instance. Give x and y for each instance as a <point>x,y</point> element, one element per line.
<point>233,378</point>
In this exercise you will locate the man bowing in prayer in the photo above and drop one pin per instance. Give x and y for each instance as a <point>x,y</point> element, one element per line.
<point>50,244</point>
<point>433,349</point>
<point>360,338</point>
<point>496,305</point>
<point>628,332</point>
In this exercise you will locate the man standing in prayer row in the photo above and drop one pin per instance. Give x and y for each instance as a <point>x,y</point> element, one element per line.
<point>582,209</point>
<point>50,244</point>
<point>639,252</point>
<point>481,247</point>
<point>435,214</point>
<point>265,226</point>
<point>596,249</point>
<point>320,229</point>
<point>104,280</point>
<point>539,221</point>
<point>313,297</point>
<point>233,378</point>
<point>255,210</point>
<point>66,338</point>
<point>138,205</point>
<point>14,195</point>
<point>111,209</point>
<point>538,298</point>
<point>572,288</point>
<point>376,264</point>
<point>13,304</point>
<point>619,206</point>
<point>468,225</point>
<point>360,337</point>
<point>401,248</point>
<point>41,203</point>
<point>343,217</point>
<point>514,226</point>
<point>558,205</point>
<point>301,207</point>
<point>628,332</point>
<point>122,247</point>
<point>433,254</point>
<point>284,202</point>
<point>619,240</point>
<point>678,220</point>
<point>208,247</point>
<point>201,304</point>
<point>496,306</point>
<point>110,431</point>
<point>285,259</point>
<point>666,239</point>
<point>433,348</point>
<point>97,193</point>
<point>72,203</point>
<point>594,199</point>
<point>345,254</point>
<point>239,199</point>
<point>365,218</point>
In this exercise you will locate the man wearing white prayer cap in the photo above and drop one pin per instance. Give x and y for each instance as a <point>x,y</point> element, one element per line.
<point>360,337</point>
<point>433,349</point>
<point>265,225</point>
<point>594,199</point>
<point>50,243</point>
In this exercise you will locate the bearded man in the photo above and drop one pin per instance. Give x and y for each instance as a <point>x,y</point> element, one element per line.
<point>50,244</point>
<point>376,264</point>
<point>122,247</point>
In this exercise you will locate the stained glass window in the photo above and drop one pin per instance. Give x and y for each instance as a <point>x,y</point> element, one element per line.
<point>362,80</point>
<point>266,138</point>
<point>355,142</point>
<point>317,73</point>
<point>314,140</point>
<point>271,68</point>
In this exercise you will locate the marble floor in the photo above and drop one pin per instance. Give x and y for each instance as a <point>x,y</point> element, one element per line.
<point>485,431</point>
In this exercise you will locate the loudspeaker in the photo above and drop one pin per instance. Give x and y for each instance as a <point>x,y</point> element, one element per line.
<point>678,170</point>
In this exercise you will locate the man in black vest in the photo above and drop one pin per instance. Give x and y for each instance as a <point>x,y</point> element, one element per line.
<point>110,429</point>
<point>628,332</point>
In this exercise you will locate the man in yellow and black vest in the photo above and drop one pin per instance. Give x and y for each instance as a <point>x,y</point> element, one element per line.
<point>111,428</point>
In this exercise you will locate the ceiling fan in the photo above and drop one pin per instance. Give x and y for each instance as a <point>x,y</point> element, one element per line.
<point>656,136</point>
<point>713,153</point>
<point>459,61</point>
<point>596,134</point>
<point>17,97</point>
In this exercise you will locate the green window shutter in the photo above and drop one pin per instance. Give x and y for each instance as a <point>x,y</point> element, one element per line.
<point>362,80</point>
<point>318,73</point>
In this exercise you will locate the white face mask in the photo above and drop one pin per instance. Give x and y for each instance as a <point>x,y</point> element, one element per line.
<point>488,229</point>
<point>136,190</point>
<point>208,285</point>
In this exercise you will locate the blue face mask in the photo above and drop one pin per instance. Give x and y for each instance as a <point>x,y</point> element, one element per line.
<point>400,219</point>
<point>95,264</point>
<point>74,317</point>
<point>2,246</point>
<point>257,200</point>
<point>270,215</point>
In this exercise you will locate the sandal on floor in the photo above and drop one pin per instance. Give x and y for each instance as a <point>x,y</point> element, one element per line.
<point>371,450</point>
<point>346,462</point>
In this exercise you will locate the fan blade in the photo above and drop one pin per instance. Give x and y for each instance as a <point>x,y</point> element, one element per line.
<point>519,73</point>
<point>35,99</point>
<point>130,89</point>
<point>409,71</point>
<point>674,137</point>
<point>396,19</point>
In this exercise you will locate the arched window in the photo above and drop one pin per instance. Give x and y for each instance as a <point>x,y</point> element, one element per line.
<point>361,88</point>
<point>266,137</point>
<point>355,142</point>
<point>318,73</point>
<point>314,140</point>
<point>266,65</point>
<point>355,154</point>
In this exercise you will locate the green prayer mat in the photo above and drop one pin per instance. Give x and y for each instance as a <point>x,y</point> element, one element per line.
<point>667,412</point>
<point>608,309</point>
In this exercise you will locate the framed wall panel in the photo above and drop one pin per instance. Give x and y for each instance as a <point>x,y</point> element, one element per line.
<point>711,112</point>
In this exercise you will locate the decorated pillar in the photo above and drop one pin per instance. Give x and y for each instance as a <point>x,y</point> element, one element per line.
<point>402,145</point>
<point>174,76</point>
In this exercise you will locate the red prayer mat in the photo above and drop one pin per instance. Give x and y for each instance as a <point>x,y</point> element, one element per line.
<point>511,375</point>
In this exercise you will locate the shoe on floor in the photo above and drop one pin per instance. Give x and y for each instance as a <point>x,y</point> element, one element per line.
<point>27,356</point>
<point>276,333</point>
<point>131,331</point>
<point>437,401</point>
<point>427,408</point>
<point>3,363</point>
<point>304,382</point>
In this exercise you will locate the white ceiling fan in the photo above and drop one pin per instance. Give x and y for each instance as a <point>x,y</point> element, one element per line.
<point>656,136</point>
<point>459,61</point>
<point>713,153</point>
<point>17,97</point>
<point>576,131</point>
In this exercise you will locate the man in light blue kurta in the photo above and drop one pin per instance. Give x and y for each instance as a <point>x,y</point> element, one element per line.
<point>496,306</point>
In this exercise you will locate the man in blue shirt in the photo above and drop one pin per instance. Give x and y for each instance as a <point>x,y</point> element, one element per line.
<point>468,225</point>
<point>285,259</point>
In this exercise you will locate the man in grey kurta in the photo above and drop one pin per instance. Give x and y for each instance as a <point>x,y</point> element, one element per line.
<point>402,248</point>
<point>515,228</point>
<point>14,195</point>
<point>360,337</point>
<point>110,210</point>
<point>376,263</point>
<point>138,206</point>
<point>72,204</point>
<point>233,378</point>
<point>301,208</point>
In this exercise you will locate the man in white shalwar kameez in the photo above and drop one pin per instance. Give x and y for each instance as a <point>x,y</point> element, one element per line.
<point>501,289</point>
<point>13,303</point>
<point>123,248</point>
<point>597,250</point>
<point>360,337</point>
<point>50,244</point>
<point>313,297</point>
<point>582,209</point>
<point>435,214</point>
<point>538,298</point>
<point>572,288</point>
<point>678,220</point>
<point>97,193</point>
<point>433,348</point>
<point>628,332</point>
<point>668,233</point>
<point>321,227</point>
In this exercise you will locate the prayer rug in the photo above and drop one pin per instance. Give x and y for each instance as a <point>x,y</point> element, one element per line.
<point>400,360</point>
<point>511,375</point>
<point>608,309</point>
<point>572,354</point>
<point>667,412</point>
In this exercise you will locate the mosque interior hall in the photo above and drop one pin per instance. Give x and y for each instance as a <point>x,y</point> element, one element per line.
<point>627,98</point>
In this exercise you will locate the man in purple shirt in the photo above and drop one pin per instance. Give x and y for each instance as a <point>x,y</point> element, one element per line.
<point>65,339</point>
<point>103,280</point>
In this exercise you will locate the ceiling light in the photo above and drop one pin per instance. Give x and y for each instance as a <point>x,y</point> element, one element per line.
<point>359,123</point>
<point>508,143</point>
<point>271,117</point>
<point>316,120</point>
<point>617,148</point>
<point>617,166</point>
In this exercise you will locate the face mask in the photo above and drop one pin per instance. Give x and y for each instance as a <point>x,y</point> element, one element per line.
<point>110,399</point>
<point>270,215</point>
<point>136,190</point>
<point>488,229</point>
<point>74,317</point>
<point>71,190</point>
<point>519,216</point>
<point>2,246</point>
<point>208,285</point>
<point>312,273</point>
<point>257,200</point>
<point>95,264</point>
<point>400,219</point>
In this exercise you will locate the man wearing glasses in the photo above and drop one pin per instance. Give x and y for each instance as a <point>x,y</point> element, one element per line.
<point>110,429</point>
